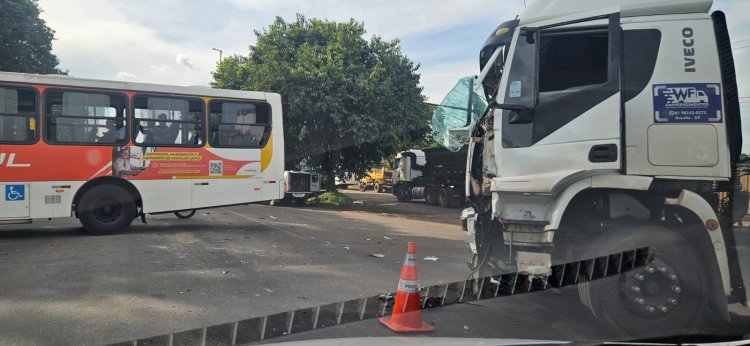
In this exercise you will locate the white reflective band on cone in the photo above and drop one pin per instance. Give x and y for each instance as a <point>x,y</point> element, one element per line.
<point>410,260</point>
<point>408,286</point>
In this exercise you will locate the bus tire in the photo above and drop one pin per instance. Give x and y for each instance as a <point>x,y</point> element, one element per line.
<point>106,209</point>
<point>184,214</point>
<point>675,283</point>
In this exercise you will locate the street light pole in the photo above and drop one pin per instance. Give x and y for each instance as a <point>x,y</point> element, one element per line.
<point>220,52</point>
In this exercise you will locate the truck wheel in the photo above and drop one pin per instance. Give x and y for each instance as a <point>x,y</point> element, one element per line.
<point>444,198</point>
<point>402,195</point>
<point>106,209</point>
<point>185,214</point>
<point>398,193</point>
<point>429,196</point>
<point>666,296</point>
<point>377,188</point>
<point>362,187</point>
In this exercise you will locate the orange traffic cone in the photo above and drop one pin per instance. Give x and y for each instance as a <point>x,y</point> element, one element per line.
<point>407,315</point>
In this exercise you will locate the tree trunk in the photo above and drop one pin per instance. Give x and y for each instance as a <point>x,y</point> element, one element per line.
<point>328,174</point>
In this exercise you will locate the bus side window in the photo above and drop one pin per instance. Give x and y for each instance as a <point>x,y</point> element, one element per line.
<point>238,124</point>
<point>18,114</point>
<point>85,117</point>
<point>167,121</point>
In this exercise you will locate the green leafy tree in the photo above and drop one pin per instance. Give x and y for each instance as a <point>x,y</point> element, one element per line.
<point>25,39</point>
<point>348,101</point>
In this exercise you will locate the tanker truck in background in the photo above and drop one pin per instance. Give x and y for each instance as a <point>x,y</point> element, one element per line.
<point>596,127</point>
<point>436,175</point>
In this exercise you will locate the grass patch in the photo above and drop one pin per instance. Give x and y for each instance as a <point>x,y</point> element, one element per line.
<point>339,201</point>
<point>333,199</point>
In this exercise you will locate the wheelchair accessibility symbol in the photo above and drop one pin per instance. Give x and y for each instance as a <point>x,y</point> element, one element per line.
<point>15,192</point>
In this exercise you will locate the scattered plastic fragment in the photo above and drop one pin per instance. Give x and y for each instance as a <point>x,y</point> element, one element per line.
<point>431,258</point>
<point>377,255</point>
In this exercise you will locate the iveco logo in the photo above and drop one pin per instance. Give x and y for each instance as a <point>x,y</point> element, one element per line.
<point>687,49</point>
<point>11,161</point>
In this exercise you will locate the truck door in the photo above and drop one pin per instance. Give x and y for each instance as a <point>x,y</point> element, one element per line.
<point>561,105</point>
<point>672,96</point>
<point>315,185</point>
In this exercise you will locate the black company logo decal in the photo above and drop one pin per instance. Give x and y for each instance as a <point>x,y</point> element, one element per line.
<point>687,103</point>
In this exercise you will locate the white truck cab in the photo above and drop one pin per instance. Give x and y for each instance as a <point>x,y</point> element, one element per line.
<point>611,125</point>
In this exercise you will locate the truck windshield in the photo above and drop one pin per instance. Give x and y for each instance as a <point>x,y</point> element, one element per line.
<point>450,127</point>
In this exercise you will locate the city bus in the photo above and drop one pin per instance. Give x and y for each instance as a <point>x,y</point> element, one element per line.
<point>108,152</point>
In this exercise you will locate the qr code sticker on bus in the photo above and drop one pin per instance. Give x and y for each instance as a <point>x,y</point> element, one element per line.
<point>215,167</point>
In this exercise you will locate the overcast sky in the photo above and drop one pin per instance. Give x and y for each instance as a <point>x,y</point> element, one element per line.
<point>171,41</point>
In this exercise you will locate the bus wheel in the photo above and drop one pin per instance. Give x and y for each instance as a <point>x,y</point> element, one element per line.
<point>106,209</point>
<point>667,295</point>
<point>185,214</point>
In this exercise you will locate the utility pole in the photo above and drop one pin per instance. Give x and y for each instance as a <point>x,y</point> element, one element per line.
<point>220,52</point>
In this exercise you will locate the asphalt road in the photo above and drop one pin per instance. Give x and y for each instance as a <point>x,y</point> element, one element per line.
<point>59,286</point>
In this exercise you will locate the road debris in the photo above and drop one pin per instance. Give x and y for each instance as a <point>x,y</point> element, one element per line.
<point>273,217</point>
<point>225,272</point>
<point>377,255</point>
<point>268,290</point>
<point>358,202</point>
<point>431,258</point>
<point>466,328</point>
<point>387,237</point>
<point>302,297</point>
<point>346,247</point>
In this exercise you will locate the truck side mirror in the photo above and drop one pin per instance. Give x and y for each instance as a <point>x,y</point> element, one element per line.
<point>530,34</point>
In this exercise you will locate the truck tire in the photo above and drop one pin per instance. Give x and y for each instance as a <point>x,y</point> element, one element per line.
<point>402,195</point>
<point>377,188</point>
<point>430,196</point>
<point>362,187</point>
<point>444,198</point>
<point>106,209</point>
<point>397,192</point>
<point>667,296</point>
